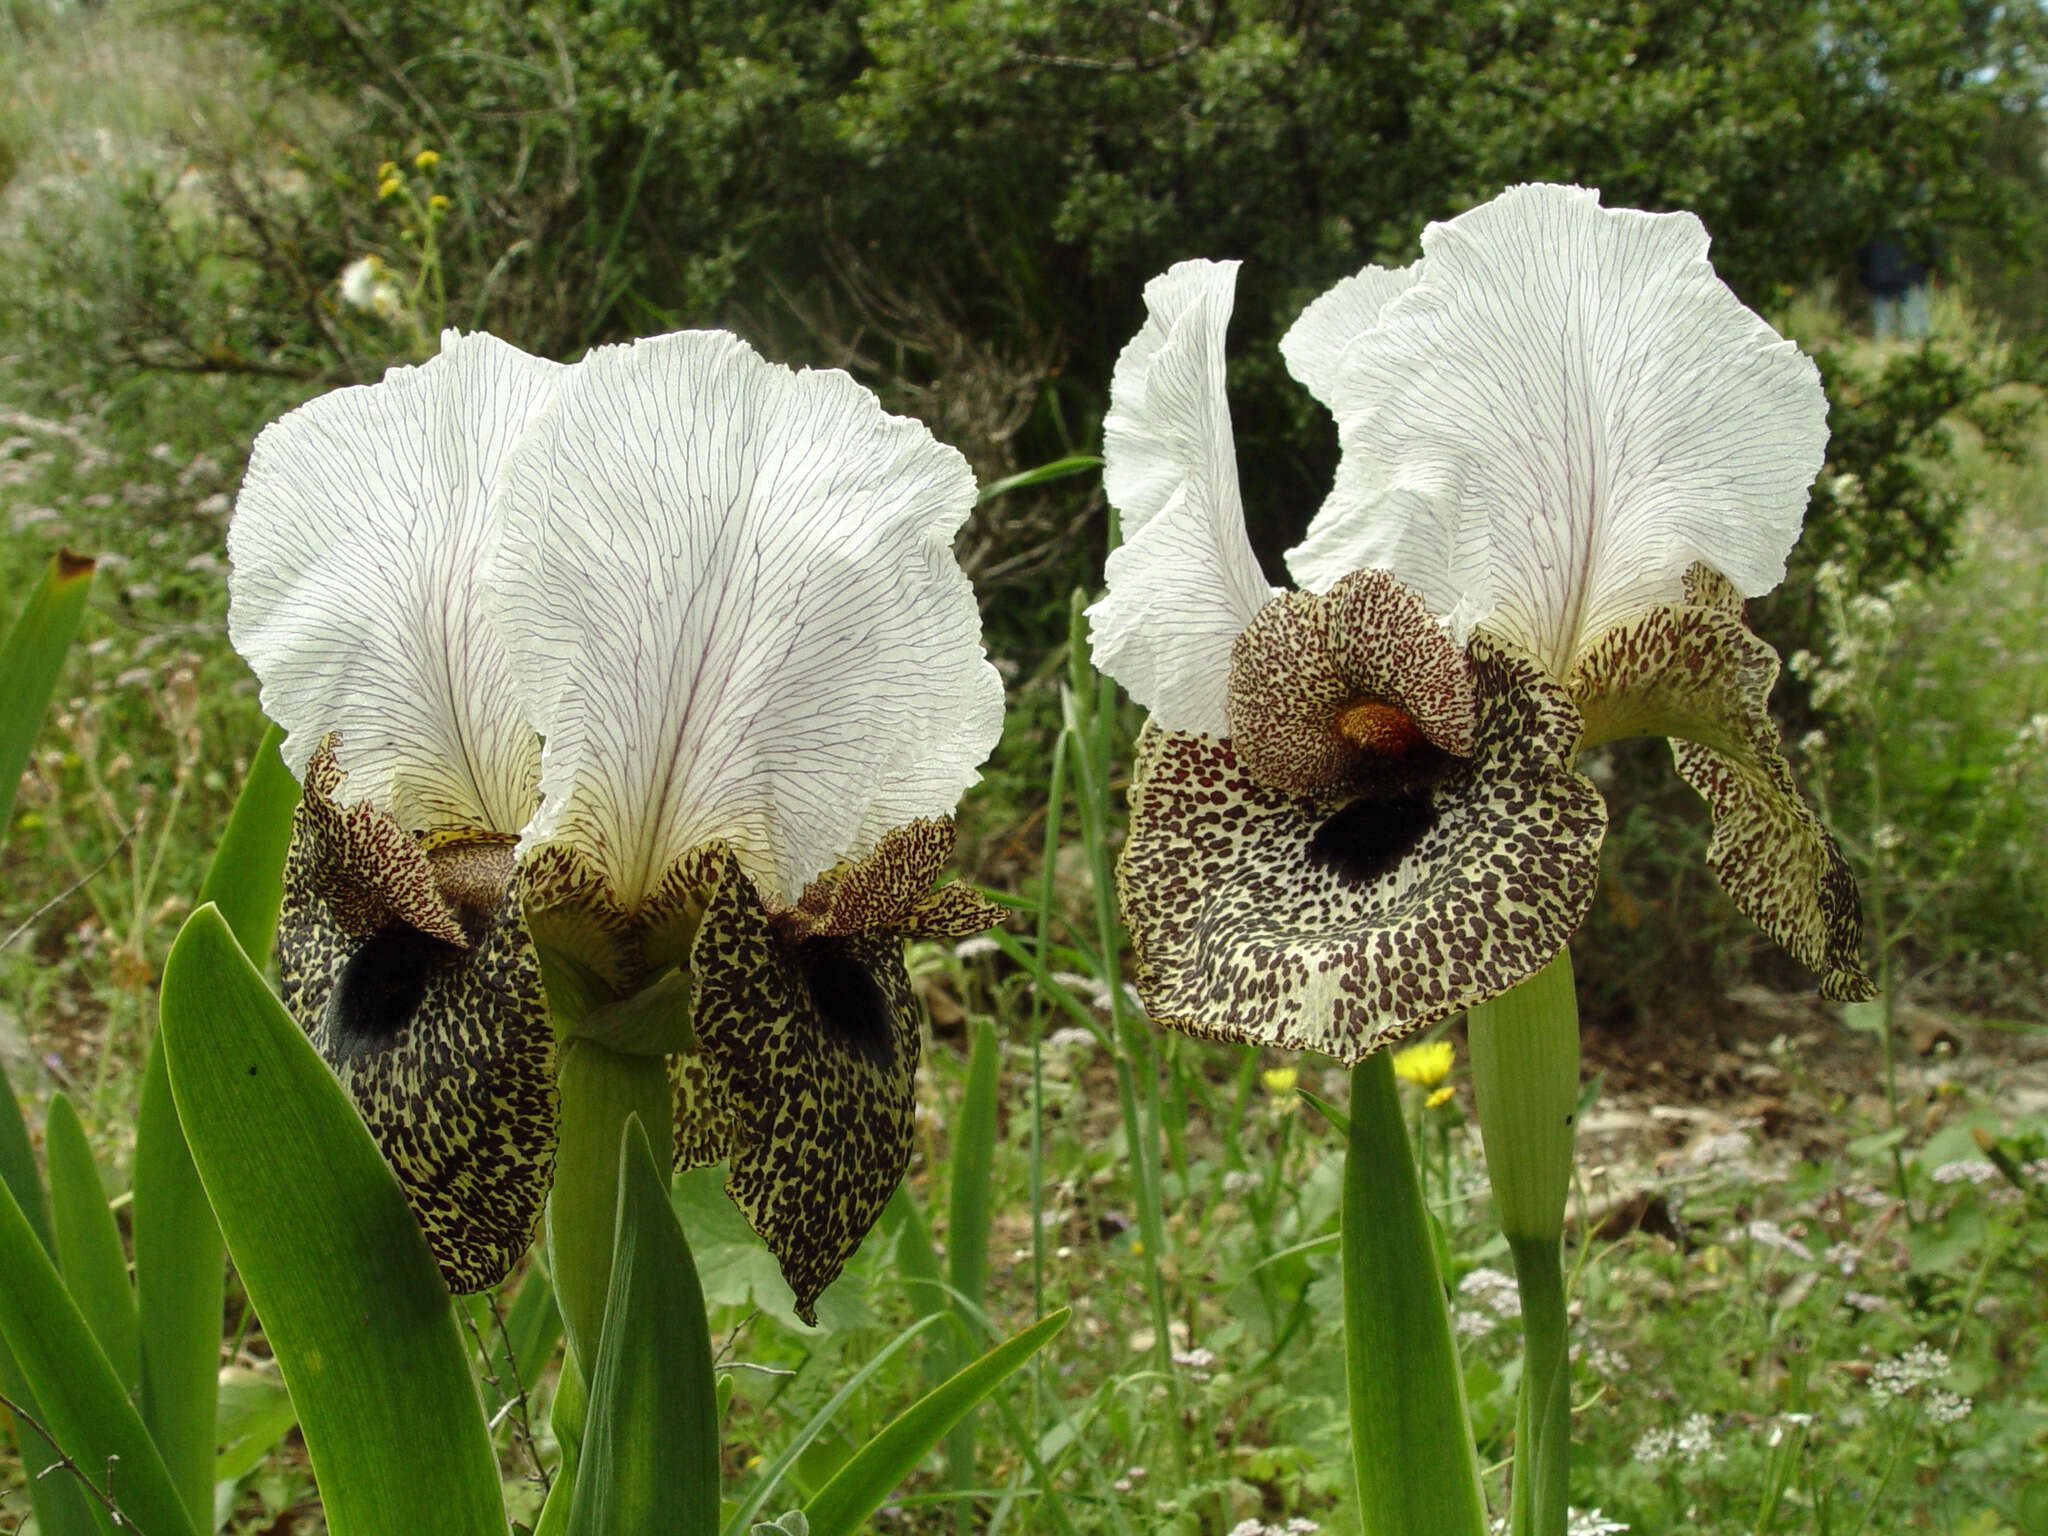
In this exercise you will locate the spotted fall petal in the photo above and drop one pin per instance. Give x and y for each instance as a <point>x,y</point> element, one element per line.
<point>1564,411</point>
<point>808,1031</point>
<point>1184,581</point>
<point>1695,673</point>
<point>356,544</point>
<point>730,596</point>
<point>412,973</point>
<point>1329,688</point>
<point>1340,924</point>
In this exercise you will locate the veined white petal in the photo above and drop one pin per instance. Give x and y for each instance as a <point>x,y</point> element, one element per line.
<point>356,543</point>
<point>1184,582</point>
<point>730,595</point>
<point>1565,411</point>
<point>1320,342</point>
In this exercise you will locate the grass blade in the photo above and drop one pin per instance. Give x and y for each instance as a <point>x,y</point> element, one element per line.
<point>30,660</point>
<point>180,1275</point>
<point>246,878</point>
<point>89,1247</point>
<point>843,1505</point>
<point>771,1476</point>
<point>327,1247</point>
<point>18,1166</point>
<point>78,1397</point>
<point>967,1235</point>
<point>1040,474</point>
<point>650,1446</point>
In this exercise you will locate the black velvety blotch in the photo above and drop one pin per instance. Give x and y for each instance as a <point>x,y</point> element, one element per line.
<point>380,988</point>
<point>849,1003</point>
<point>1367,838</point>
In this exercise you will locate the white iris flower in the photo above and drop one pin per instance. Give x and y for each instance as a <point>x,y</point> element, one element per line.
<point>1568,453</point>
<point>654,675</point>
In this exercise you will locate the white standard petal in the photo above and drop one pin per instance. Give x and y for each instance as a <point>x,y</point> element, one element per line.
<point>1564,412</point>
<point>1319,345</point>
<point>1184,582</point>
<point>356,542</point>
<point>730,593</point>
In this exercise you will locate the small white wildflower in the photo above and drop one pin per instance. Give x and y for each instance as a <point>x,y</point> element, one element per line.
<point>1655,1445</point>
<point>1472,1323</point>
<point>367,285</point>
<point>1299,1526</point>
<point>1945,1407</point>
<point>1494,1291</point>
<point>1695,1437</point>
<point>1885,837</point>
<point>1197,1359</point>
<point>1769,1234</point>
<point>1590,1522</point>
<point>977,946</point>
<point>1900,1376</point>
<point>1844,1256</point>
<point>1238,1180</point>
<point>1863,1301</point>
<point>1122,1485</point>
<point>1070,1038</point>
<point>1251,1528</point>
<point>1605,1360</point>
<point>1974,1170</point>
<point>1813,744</point>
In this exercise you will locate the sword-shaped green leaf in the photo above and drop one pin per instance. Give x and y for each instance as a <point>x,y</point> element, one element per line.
<point>30,660</point>
<point>842,1506</point>
<point>78,1397</point>
<point>320,1232</point>
<point>246,878</point>
<point>89,1250</point>
<point>650,1439</point>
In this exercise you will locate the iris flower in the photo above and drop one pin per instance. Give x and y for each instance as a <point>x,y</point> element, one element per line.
<point>1568,453</point>
<point>628,699</point>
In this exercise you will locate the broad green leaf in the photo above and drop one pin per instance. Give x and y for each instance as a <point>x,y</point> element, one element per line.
<point>843,1505</point>
<point>246,878</point>
<point>319,1230</point>
<point>1412,1451</point>
<point>974,1141</point>
<point>650,1438</point>
<point>180,1277</point>
<point>30,660</point>
<point>89,1247</point>
<point>77,1395</point>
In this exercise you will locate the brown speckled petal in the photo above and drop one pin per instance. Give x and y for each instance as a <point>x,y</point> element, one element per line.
<point>1307,660</point>
<point>1340,925</point>
<point>446,1048</point>
<point>1696,674</point>
<point>891,889</point>
<point>814,1043</point>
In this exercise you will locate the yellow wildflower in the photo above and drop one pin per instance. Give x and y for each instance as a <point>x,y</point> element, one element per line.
<point>437,203</point>
<point>387,170</point>
<point>1280,1080</point>
<point>389,186</point>
<point>1425,1065</point>
<point>1441,1097</point>
<point>427,159</point>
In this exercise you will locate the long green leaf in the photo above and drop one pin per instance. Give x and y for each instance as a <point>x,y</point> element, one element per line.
<point>246,878</point>
<point>1411,1440</point>
<point>179,1257</point>
<point>1039,474</point>
<point>59,1504</point>
<point>180,1278</point>
<point>974,1143</point>
<point>78,1397</point>
<point>650,1438</point>
<point>320,1232</point>
<point>843,1505</point>
<point>18,1166</point>
<point>89,1243</point>
<point>30,660</point>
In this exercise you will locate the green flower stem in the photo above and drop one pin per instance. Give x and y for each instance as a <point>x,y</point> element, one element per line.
<point>1411,1437</point>
<point>1525,1072</point>
<point>600,1088</point>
